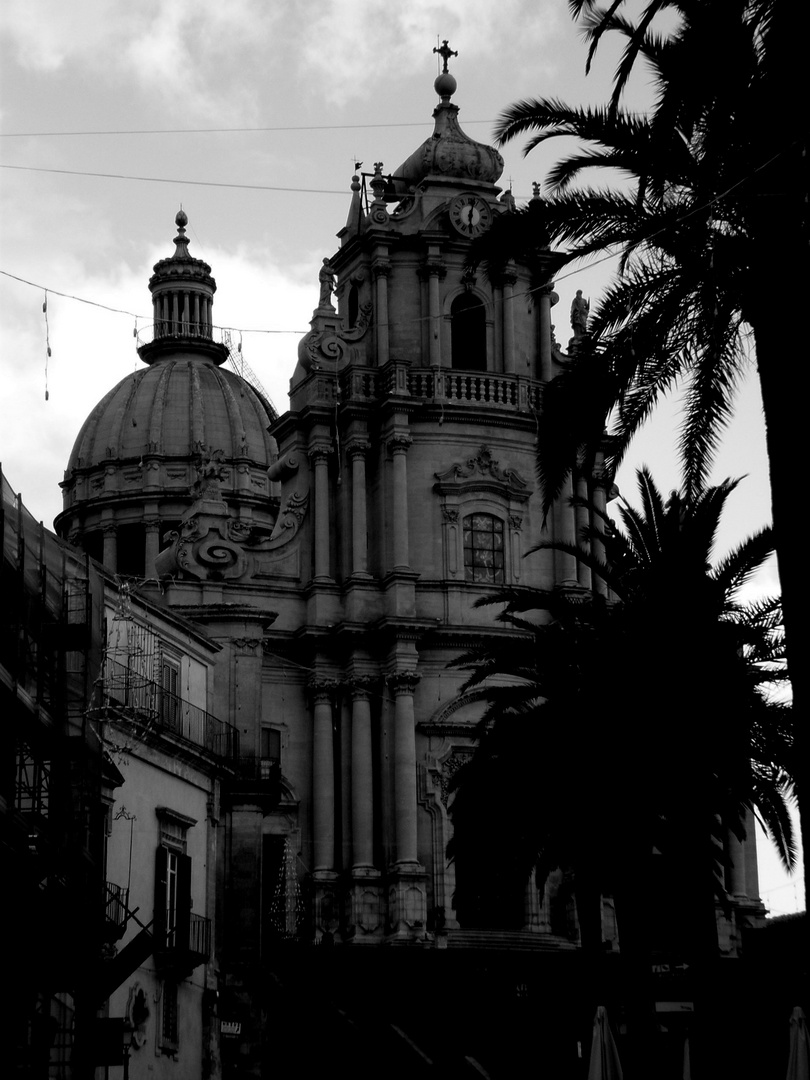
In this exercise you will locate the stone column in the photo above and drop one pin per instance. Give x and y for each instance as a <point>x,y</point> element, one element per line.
<point>152,526</point>
<point>357,450</point>
<point>398,444</point>
<point>381,271</point>
<point>110,547</point>
<point>319,461</point>
<point>509,359</point>
<point>735,875</point>
<point>323,776</point>
<point>599,508</point>
<point>545,298</point>
<point>403,684</point>
<point>565,531</point>
<point>433,271</point>
<point>362,777</point>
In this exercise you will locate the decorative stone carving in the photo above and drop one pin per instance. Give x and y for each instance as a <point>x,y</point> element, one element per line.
<point>211,471</point>
<point>322,688</point>
<point>319,451</point>
<point>434,266</point>
<point>399,443</point>
<point>247,645</point>
<point>403,682</point>
<point>283,467</point>
<point>457,760</point>
<point>326,346</point>
<point>326,280</point>
<point>482,472</point>
<point>362,686</point>
<point>357,448</point>
<point>288,522</point>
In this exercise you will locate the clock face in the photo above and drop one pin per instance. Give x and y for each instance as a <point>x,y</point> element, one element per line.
<point>470,215</point>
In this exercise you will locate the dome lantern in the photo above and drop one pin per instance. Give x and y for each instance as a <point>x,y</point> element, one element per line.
<point>449,152</point>
<point>182,291</point>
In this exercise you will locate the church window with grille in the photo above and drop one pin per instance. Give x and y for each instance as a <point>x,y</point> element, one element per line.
<point>483,549</point>
<point>169,1037</point>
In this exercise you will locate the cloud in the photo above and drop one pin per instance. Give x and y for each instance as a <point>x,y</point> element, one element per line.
<point>367,45</point>
<point>242,62</point>
<point>188,53</point>
<point>93,349</point>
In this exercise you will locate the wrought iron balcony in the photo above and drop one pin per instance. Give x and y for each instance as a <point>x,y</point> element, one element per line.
<point>116,910</point>
<point>124,693</point>
<point>188,944</point>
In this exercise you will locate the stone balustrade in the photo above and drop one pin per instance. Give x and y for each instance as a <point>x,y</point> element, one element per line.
<point>489,390</point>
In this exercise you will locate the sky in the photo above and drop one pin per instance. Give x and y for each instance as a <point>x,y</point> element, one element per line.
<point>251,115</point>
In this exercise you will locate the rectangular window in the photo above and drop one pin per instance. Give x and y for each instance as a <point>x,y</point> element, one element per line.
<point>172,911</point>
<point>170,693</point>
<point>270,751</point>
<point>483,549</point>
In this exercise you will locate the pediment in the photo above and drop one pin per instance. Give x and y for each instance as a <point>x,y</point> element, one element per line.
<point>482,472</point>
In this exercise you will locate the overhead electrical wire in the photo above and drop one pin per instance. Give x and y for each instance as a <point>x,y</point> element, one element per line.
<point>221,131</point>
<point>516,296</point>
<point>175,180</point>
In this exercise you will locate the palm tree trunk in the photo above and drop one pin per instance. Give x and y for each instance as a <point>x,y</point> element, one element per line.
<point>633,903</point>
<point>782,374</point>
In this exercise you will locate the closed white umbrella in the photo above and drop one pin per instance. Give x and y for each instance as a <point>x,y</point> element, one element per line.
<point>604,1063</point>
<point>799,1057</point>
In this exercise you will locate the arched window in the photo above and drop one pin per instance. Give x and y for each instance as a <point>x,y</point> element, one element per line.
<point>468,333</point>
<point>483,549</point>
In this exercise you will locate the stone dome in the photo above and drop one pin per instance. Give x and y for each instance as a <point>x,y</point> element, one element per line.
<point>169,410</point>
<point>449,152</point>
<point>143,441</point>
<point>135,462</point>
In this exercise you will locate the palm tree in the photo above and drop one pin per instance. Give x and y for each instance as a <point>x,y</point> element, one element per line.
<point>694,740</point>
<point>712,200</point>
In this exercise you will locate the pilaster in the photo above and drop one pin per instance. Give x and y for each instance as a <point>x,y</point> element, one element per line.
<point>356,451</point>
<point>508,281</point>
<point>398,446</point>
<point>381,269</point>
<point>319,452</point>
<point>110,534</point>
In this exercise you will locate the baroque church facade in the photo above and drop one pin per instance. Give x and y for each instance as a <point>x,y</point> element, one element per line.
<point>330,558</point>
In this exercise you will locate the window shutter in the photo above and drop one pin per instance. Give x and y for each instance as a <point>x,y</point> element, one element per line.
<point>183,914</point>
<point>159,918</point>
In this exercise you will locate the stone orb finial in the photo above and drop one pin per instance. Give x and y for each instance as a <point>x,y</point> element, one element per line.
<point>181,220</point>
<point>445,85</point>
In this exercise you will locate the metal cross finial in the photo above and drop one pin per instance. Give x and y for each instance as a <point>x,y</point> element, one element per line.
<point>445,52</point>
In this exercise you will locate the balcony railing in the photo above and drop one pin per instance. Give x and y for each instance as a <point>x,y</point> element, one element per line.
<point>199,936</point>
<point>515,393</point>
<point>116,911</point>
<point>178,328</point>
<point>125,692</point>
<point>187,946</point>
